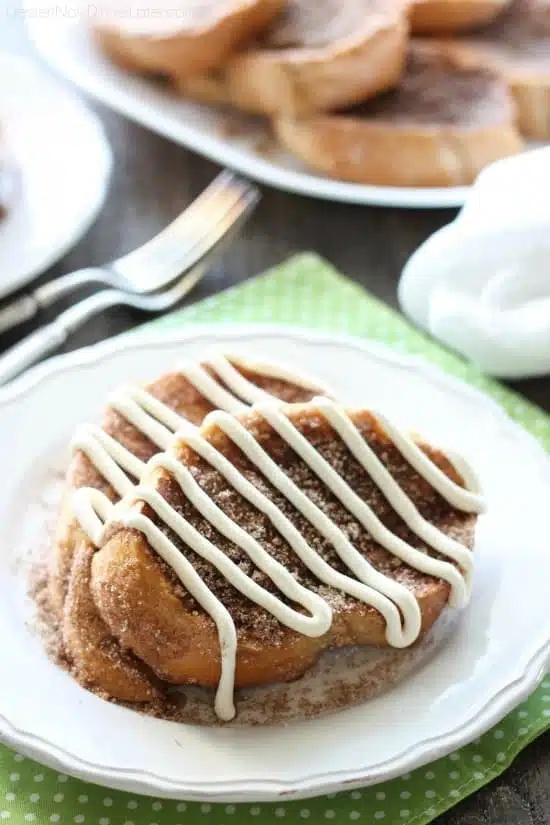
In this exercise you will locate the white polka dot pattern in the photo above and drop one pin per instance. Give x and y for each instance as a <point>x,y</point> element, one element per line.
<point>304,291</point>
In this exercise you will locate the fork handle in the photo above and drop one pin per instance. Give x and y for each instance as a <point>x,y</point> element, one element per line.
<point>18,311</point>
<point>27,306</point>
<point>50,337</point>
<point>30,350</point>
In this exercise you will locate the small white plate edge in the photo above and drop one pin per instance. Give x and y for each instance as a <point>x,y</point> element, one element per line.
<point>103,158</point>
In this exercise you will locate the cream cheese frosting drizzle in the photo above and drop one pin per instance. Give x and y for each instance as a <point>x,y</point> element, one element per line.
<point>120,467</point>
<point>394,601</point>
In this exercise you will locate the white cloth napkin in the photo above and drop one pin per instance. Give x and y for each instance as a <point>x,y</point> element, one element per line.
<point>482,284</point>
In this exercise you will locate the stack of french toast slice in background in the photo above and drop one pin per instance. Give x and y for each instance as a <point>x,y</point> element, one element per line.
<point>386,92</point>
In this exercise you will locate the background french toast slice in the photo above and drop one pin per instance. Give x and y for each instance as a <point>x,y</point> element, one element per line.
<point>179,39</point>
<point>314,57</point>
<point>516,44</point>
<point>440,127</point>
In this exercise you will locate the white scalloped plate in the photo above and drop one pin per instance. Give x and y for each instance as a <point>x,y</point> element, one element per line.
<point>491,662</point>
<point>64,41</point>
<point>62,166</point>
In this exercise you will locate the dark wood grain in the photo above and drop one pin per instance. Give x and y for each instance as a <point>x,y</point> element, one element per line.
<point>153,180</point>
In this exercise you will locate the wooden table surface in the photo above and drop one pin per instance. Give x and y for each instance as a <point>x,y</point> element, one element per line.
<point>153,181</point>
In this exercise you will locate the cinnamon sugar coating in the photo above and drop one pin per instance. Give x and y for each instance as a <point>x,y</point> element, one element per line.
<point>146,606</point>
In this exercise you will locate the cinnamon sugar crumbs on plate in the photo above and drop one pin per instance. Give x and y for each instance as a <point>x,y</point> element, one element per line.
<point>44,622</point>
<point>340,679</point>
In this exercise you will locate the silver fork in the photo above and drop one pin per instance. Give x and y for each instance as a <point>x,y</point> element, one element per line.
<point>48,338</point>
<point>156,264</point>
<point>161,251</point>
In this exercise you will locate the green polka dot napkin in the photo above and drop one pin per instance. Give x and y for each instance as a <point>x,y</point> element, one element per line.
<point>305,291</point>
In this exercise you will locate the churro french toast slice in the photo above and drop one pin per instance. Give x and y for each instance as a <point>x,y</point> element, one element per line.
<point>261,540</point>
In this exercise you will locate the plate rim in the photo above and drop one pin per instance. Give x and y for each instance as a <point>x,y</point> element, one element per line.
<point>224,153</point>
<point>103,158</point>
<point>518,687</point>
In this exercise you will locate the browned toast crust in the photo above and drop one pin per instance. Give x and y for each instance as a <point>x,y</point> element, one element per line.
<point>448,16</point>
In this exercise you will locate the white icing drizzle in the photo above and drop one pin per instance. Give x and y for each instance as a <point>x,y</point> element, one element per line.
<point>148,415</point>
<point>159,422</point>
<point>108,456</point>
<point>372,588</point>
<point>92,509</point>
<point>244,388</point>
<point>210,389</point>
<point>397,605</point>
